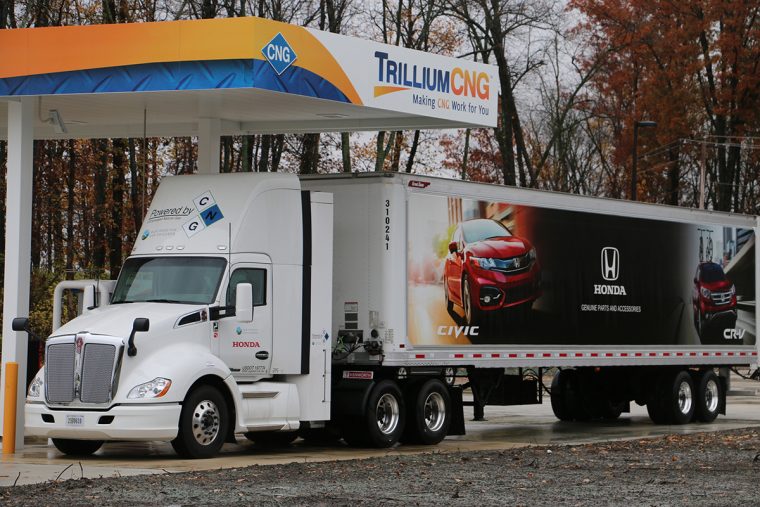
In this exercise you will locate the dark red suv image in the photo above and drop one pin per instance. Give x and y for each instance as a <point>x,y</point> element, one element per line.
<point>714,298</point>
<point>488,269</point>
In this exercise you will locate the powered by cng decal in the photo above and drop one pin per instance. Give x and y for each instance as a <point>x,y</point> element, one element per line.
<point>208,214</point>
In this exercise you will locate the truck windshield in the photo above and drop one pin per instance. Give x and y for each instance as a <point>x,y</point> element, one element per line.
<point>190,280</point>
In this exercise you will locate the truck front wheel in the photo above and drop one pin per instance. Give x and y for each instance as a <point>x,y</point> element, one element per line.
<point>202,424</point>
<point>77,447</point>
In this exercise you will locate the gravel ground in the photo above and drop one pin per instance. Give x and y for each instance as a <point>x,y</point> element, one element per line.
<point>700,469</point>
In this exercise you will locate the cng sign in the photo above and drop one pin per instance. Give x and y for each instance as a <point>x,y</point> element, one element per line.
<point>208,214</point>
<point>279,54</point>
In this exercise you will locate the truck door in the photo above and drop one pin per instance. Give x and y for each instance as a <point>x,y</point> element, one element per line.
<point>246,347</point>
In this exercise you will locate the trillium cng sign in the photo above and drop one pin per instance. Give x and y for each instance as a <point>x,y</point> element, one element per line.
<point>279,54</point>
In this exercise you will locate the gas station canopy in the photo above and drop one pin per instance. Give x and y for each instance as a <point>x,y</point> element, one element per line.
<point>250,74</point>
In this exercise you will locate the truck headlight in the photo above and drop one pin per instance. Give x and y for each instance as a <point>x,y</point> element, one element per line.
<point>532,254</point>
<point>483,262</point>
<point>35,388</point>
<point>733,290</point>
<point>705,292</point>
<point>153,389</point>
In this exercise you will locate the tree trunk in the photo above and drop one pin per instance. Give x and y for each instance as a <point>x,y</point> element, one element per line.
<point>309,154</point>
<point>117,208</point>
<point>70,203</point>
<point>345,148</point>
<point>101,173</point>
<point>134,189</point>
<point>413,151</point>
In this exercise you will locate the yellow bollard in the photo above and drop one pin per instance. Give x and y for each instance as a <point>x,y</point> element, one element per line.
<point>9,412</point>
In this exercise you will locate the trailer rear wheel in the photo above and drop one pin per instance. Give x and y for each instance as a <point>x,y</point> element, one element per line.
<point>672,401</point>
<point>558,397</point>
<point>429,414</point>
<point>709,396</point>
<point>71,447</point>
<point>680,403</point>
<point>383,421</point>
<point>202,424</point>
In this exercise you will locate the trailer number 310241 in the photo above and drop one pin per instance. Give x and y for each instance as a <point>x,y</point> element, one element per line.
<point>387,224</point>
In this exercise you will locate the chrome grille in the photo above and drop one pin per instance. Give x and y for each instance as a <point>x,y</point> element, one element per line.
<point>721,298</point>
<point>59,370</point>
<point>97,371</point>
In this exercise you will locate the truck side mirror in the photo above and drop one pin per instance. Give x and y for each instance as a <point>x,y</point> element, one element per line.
<point>88,302</point>
<point>20,324</point>
<point>453,247</point>
<point>244,302</point>
<point>140,325</point>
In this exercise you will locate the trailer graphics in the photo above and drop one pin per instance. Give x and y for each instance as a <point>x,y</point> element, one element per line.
<point>486,272</point>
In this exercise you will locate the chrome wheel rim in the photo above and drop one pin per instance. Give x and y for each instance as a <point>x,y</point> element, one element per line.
<point>388,414</point>
<point>684,397</point>
<point>206,419</point>
<point>435,412</point>
<point>711,396</point>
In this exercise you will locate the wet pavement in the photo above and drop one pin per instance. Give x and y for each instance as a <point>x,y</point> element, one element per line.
<point>505,427</point>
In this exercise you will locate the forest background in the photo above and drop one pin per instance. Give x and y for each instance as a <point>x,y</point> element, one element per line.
<point>575,78</point>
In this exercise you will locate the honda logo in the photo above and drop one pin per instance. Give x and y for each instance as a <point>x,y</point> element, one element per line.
<point>610,263</point>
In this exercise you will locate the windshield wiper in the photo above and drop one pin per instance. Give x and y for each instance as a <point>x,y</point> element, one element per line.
<point>163,301</point>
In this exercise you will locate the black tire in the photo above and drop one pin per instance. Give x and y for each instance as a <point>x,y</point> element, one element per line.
<point>558,396</point>
<point>383,422</point>
<point>77,447</point>
<point>575,398</point>
<point>428,413</point>
<point>203,424</point>
<point>471,310</point>
<point>271,438</point>
<point>709,396</point>
<point>680,402</point>
<point>673,399</point>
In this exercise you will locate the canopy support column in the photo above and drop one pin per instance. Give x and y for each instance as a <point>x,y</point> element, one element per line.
<point>18,244</point>
<point>209,145</point>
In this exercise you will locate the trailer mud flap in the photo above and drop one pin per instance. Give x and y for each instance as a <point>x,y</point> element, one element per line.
<point>350,397</point>
<point>457,412</point>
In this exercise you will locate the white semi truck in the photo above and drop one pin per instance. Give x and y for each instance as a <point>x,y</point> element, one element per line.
<point>361,307</point>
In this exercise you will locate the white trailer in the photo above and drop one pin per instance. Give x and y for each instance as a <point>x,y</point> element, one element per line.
<point>361,306</point>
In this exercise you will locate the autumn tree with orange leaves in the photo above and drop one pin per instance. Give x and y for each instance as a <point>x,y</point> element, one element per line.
<point>694,67</point>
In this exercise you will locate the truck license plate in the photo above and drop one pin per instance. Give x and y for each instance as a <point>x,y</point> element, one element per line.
<point>74,420</point>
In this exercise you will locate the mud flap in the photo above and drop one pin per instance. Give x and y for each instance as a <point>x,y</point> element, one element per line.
<point>457,412</point>
<point>349,398</point>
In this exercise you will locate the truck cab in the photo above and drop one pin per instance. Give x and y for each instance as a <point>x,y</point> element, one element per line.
<point>219,324</point>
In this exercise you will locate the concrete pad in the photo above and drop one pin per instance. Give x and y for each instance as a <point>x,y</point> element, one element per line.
<point>505,427</point>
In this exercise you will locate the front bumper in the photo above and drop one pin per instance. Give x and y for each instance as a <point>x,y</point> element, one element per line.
<point>505,290</point>
<point>157,421</point>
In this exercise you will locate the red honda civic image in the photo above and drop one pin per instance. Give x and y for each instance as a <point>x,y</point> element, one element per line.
<point>713,300</point>
<point>488,269</point>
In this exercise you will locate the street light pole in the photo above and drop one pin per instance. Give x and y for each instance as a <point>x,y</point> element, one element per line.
<point>636,126</point>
